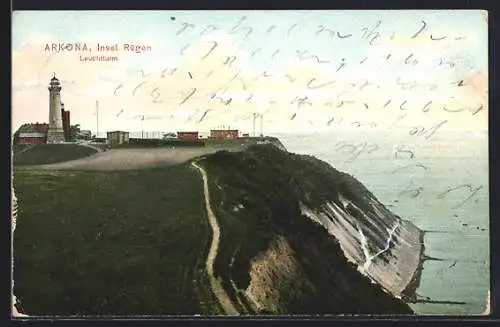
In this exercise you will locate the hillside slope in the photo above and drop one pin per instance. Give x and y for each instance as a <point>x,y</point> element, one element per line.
<point>41,154</point>
<point>294,234</point>
<point>299,236</point>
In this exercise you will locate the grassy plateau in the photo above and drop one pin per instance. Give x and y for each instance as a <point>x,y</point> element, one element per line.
<point>129,242</point>
<point>49,153</point>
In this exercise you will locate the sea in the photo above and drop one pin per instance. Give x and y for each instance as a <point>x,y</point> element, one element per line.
<point>441,184</point>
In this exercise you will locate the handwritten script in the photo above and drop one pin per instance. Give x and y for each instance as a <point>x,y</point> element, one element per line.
<point>419,81</point>
<point>413,81</point>
<point>393,73</point>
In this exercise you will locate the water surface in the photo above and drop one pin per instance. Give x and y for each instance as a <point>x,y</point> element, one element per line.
<point>441,186</point>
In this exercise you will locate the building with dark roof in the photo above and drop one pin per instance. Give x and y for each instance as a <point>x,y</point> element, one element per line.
<point>188,135</point>
<point>117,137</point>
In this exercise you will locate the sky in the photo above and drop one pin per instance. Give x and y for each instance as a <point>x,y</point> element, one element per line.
<point>303,71</point>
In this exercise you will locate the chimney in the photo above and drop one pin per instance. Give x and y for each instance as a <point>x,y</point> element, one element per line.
<point>253,123</point>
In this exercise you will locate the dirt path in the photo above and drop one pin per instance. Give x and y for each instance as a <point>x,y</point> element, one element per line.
<point>217,288</point>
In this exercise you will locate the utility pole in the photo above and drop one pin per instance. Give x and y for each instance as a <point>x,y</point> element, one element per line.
<point>253,126</point>
<point>97,118</point>
<point>142,127</point>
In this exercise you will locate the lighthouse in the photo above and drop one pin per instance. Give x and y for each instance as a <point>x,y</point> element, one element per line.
<point>55,133</point>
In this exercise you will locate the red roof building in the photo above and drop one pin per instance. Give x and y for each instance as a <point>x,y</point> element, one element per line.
<point>40,128</point>
<point>224,133</point>
<point>187,135</point>
<point>33,133</point>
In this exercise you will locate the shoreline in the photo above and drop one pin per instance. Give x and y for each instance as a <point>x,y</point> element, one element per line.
<point>409,294</point>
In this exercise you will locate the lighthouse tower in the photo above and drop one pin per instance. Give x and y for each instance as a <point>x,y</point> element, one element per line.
<point>55,134</point>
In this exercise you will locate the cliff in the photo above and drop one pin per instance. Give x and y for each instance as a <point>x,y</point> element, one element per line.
<point>301,237</point>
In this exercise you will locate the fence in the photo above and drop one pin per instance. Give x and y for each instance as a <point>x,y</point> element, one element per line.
<point>139,135</point>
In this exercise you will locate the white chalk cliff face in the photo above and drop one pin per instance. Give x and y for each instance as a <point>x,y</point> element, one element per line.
<point>386,248</point>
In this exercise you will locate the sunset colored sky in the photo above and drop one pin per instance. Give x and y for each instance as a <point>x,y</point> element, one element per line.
<point>305,70</point>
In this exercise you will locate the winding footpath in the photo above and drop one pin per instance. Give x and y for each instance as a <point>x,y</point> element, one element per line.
<point>216,285</point>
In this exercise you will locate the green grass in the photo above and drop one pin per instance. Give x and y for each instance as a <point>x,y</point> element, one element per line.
<point>240,142</point>
<point>16,148</point>
<point>101,146</point>
<point>159,143</point>
<point>51,153</point>
<point>131,242</point>
<point>212,143</point>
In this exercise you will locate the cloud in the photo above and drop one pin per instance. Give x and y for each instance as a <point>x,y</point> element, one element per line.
<point>217,82</point>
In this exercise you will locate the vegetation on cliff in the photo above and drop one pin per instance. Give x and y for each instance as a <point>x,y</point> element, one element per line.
<point>135,242</point>
<point>257,196</point>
